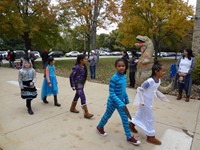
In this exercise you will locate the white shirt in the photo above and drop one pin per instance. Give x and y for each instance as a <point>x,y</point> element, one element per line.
<point>184,65</point>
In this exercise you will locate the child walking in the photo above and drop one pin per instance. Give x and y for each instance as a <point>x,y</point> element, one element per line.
<point>117,99</point>
<point>27,78</point>
<point>144,118</point>
<point>78,78</point>
<point>50,86</point>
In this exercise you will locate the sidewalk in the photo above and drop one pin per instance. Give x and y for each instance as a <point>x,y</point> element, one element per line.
<point>177,123</point>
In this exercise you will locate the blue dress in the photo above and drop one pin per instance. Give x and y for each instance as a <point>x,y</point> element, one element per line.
<point>46,89</point>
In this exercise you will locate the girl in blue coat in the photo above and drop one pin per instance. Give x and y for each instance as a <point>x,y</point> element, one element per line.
<point>117,99</point>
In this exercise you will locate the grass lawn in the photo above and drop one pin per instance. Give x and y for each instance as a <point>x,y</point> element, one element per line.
<point>104,70</point>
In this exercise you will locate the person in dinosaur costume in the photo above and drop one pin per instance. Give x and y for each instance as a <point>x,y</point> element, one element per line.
<point>145,61</point>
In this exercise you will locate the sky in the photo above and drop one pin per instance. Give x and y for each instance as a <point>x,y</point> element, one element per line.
<point>114,26</point>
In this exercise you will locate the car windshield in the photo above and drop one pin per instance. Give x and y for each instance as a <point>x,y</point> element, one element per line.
<point>2,52</point>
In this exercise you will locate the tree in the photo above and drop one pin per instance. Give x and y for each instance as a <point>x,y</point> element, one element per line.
<point>91,14</point>
<point>32,20</point>
<point>164,21</point>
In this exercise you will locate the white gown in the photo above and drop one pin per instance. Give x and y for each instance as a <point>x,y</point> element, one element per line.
<point>144,118</point>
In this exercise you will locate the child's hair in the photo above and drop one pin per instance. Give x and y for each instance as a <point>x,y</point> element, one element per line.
<point>156,67</point>
<point>50,60</point>
<point>78,61</point>
<point>118,60</point>
<point>24,60</point>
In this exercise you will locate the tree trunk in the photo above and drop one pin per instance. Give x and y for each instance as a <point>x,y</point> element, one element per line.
<point>27,40</point>
<point>156,46</point>
<point>196,32</point>
<point>94,24</point>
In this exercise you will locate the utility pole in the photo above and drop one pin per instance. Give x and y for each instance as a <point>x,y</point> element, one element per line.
<point>196,31</point>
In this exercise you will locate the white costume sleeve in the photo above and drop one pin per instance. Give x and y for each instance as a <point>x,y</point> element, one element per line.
<point>159,95</point>
<point>139,96</point>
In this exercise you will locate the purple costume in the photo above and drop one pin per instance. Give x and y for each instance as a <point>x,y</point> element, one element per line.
<point>77,81</point>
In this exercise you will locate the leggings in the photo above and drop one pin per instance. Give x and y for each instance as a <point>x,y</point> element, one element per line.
<point>80,93</point>
<point>109,111</point>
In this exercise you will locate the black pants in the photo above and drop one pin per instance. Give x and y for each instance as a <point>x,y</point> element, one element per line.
<point>132,78</point>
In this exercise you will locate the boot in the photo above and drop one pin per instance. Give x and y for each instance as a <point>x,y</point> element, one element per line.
<point>45,100</point>
<point>187,98</point>
<point>73,107</point>
<point>153,140</point>
<point>28,105</point>
<point>56,101</point>
<point>132,127</point>
<point>86,113</point>
<point>179,96</point>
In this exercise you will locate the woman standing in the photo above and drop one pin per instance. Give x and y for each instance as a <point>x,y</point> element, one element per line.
<point>183,81</point>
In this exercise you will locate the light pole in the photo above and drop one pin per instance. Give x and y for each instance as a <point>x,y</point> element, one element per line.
<point>196,31</point>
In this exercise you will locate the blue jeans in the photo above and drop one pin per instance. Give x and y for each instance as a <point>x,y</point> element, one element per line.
<point>93,72</point>
<point>186,85</point>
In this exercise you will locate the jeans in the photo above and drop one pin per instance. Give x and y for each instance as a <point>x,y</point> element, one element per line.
<point>93,72</point>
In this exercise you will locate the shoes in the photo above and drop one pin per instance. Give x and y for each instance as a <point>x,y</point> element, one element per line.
<point>187,99</point>
<point>101,131</point>
<point>179,97</point>
<point>133,141</point>
<point>45,101</point>
<point>30,112</point>
<point>153,140</point>
<point>57,104</point>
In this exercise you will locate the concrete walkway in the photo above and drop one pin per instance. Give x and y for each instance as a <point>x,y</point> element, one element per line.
<point>177,123</point>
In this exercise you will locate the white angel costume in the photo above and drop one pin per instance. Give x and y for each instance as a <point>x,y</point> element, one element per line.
<point>144,98</point>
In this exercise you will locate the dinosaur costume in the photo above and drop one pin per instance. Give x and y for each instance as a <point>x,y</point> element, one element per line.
<point>145,61</point>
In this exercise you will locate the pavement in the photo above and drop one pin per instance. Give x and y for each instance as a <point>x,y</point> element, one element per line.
<point>177,123</point>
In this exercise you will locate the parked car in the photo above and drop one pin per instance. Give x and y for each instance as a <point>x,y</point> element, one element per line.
<point>167,54</point>
<point>72,54</point>
<point>116,53</point>
<point>138,54</point>
<point>4,54</point>
<point>104,53</point>
<point>19,54</point>
<point>35,54</point>
<point>56,54</point>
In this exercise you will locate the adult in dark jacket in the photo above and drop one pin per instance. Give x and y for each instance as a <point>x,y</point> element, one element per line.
<point>183,81</point>
<point>125,57</point>
<point>45,57</point>
<point>12,59</point>
<point>132,69</point>
<point>31,57</point>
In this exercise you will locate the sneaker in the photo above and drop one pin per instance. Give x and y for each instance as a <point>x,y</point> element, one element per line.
<point>133,141</point>
<point>101,131</point>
